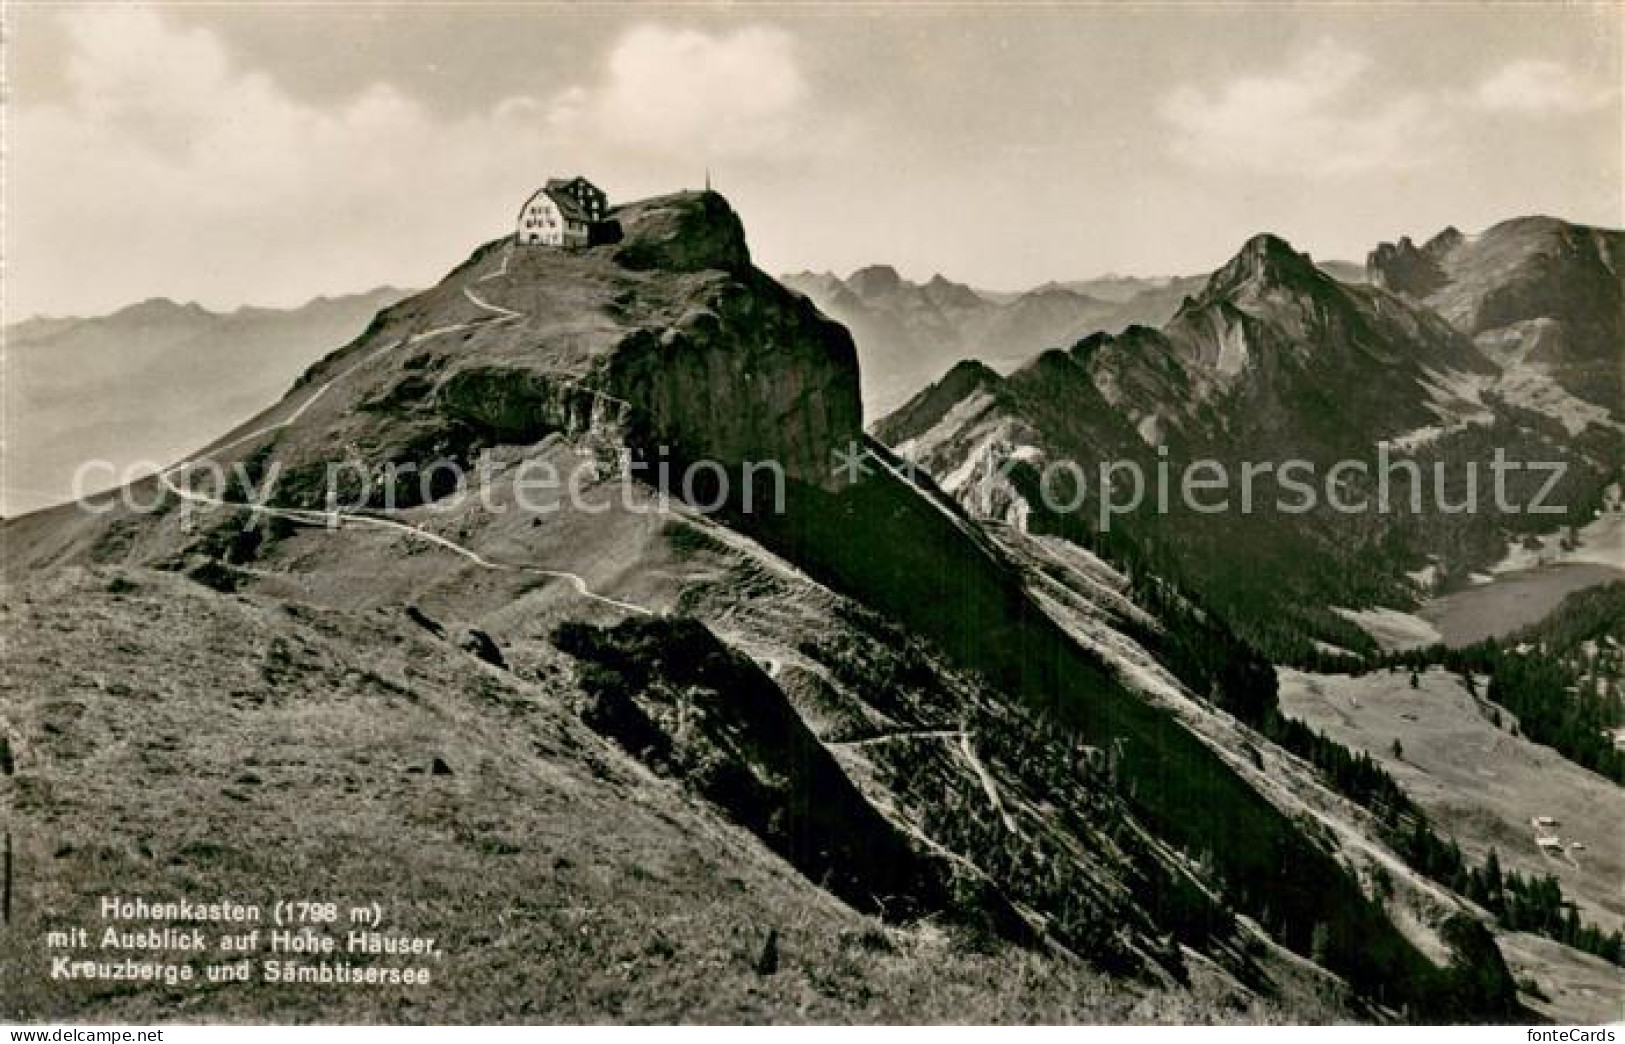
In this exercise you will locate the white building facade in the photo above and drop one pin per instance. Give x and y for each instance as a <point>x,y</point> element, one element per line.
<point>563,213</point>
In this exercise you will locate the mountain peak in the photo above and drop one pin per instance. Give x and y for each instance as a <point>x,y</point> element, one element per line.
<point>1264,260</point>
<point>1093,343</point>
<point>1528,224</point>
<point>944,292</point>
<point>1405,268</point>
<point>662,336</point>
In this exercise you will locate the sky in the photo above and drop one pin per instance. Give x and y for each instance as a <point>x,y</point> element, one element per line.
<point>268,153</point>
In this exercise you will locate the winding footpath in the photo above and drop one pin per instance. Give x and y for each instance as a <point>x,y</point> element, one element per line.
<point>335,519</point>
<point>962,745</point>
<point>989,787</point>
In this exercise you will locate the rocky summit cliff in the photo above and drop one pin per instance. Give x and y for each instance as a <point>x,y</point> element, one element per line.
<point>667,341</point>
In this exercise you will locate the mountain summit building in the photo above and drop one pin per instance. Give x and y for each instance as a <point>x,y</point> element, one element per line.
<point>563,213</point>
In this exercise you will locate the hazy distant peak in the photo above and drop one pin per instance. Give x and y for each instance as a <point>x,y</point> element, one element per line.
<point>160,309</point>
<point>944,292</point>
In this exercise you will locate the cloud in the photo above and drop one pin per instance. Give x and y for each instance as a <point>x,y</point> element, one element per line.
<point>168,169</point>
<point>1323,115</point>
<point>1536,87</point>
<point>673,90</point>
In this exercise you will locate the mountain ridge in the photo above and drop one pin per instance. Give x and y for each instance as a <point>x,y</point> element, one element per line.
<point>908,332</point>
<point>1271,360</point>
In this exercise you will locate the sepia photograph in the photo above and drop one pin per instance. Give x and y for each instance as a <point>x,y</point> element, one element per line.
<point>940,513</point>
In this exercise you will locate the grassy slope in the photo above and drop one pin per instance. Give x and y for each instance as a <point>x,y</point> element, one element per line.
<point>241,746</point>
<point>266,670</point>
<point>1480,783</point>
<point>896,551</point>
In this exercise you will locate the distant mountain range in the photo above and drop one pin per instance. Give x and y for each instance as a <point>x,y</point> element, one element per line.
<point>907,333</point>
<point>149,383</point>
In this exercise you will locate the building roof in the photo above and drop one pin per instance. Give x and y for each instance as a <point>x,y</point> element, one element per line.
<point>567,205</point>
<point>565,183</point>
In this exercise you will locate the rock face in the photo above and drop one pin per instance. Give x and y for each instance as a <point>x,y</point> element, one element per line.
<point>750,374</point>
<point>875,281</point>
